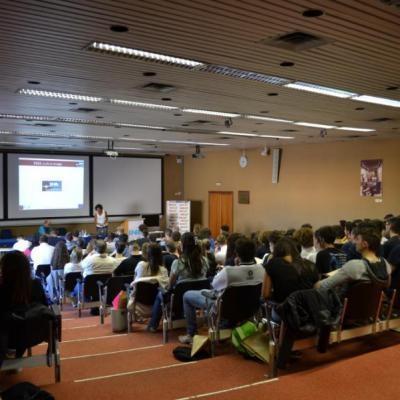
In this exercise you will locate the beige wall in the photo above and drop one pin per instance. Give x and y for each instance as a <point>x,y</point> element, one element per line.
<point>319,184</point>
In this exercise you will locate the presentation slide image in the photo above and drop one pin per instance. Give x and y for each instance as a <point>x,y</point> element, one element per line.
<point>50,184</point>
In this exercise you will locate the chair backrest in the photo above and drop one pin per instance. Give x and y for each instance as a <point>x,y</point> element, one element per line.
<point>90,288</point>
<point>146,292</point>
<point>181,288</point>
<point>239,303</point>
<point>43,269</point>
<point>70,280</point>
<point>115,285</point>
<point>27,326</point>
<point>363,301</point>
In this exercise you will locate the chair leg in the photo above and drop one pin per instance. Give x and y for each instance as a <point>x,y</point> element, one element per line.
<point>129,320</point>
<point>272,367</point>
<point>165,326</point>
<point>212,335</point>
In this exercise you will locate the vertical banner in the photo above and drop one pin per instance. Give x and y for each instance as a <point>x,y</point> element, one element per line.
<point>276,164</point>
<point>371,178</point>
<point>178,215</point>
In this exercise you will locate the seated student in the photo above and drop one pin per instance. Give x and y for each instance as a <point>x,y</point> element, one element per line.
<point>74,264</point>
<point>305,237</point>
<point>394,261</point>
<point>196,230</point>
<point>230,248</point>
<point>247,272</point>
<point>209,255</point>
<point>90,248</point>
<point>58,260</point>
<point>124,238</point>
<point>153,267</point>
<point>328,258</point>
<point>287,272</point>
<point>145,235</point>
<point>220,249</point>
<point>176,238</point>
<point>394,237</point>
<point>42,254</point>
<point>273,239</point>
<point>99,262</point>
<point>205,233</point>
<point>45,228</point>
<point>127,266</point>
<point>349,247</point>
<point>371,267</point>
<point>120,248</point>
<point>17,288</point>
<point>170,255</point>
<point>110,240</point>
<point>224,230</point>
<point>21,244</point>
<point>69,241</point>
<point>263,247</point>
<point>190,265</point>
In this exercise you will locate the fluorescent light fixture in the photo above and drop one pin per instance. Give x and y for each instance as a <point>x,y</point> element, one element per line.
<point>126,125</point>
<point>237,133</point>
<point>268,119</point>
<point>276,137</point>
<point>309,87</point>
<point>378,100</point>
<point>141,54</point>
<point>349,128</point>
<point>6,133</point>
<point>136,140</point>
<point>129,148</point>
<point>209,112</point>
<point>59,95</point>
<point>243,74</point>
<point>142,105</point>
<point>311,125</point>
<point>194,143</point>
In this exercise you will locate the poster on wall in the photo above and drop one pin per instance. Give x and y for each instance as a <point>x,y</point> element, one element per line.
<point>371,178</point>
<point>178,215</point>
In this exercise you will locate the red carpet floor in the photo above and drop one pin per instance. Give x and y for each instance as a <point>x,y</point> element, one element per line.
<point>99,364</point>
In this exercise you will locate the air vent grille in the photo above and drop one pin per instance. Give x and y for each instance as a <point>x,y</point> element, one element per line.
<point>296,41</point>
<point>159,87</point>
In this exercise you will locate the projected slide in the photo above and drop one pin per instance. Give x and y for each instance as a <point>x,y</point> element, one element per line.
<point>50,184</point>
<point>46,186</point>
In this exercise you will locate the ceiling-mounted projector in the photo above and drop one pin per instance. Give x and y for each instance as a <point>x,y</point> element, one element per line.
<point>111,153</point>
<point>198,154</point>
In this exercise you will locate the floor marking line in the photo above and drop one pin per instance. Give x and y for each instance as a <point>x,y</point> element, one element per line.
<point>93,338</point>
<point>111,352</point>
<point>197,396</point>
<point>80,327</point>
<point>96,378</point>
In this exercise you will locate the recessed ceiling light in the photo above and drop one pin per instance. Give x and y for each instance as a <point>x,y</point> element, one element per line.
<point>73,103</point>
<point>236,133</point>
<point>312,13</point>
<point>392,88</point>
<point>273,94</point>
<point>142,105</point>
<point>99,117</point>
<point>119,28</point>
<point>209,112</point>
<point>34,82</point>
<point>349,128</point>
<point>177,115</point>
<point>166,98</point>
<point>311,125</point>
<point>149,73</point>
<point>269,119</point>
<point>59,95</point>
<point>264,112</point>
<point>145,55</point>
<point>337,122</point>
<point>309,87</point>
<point>286,64</point>
<point>378,100</point>
<point>360,108</point>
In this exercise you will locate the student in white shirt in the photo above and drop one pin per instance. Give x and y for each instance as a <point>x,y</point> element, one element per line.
<point>42,254</point>
<point>99,262</point>
<point>75,262</point>
<point>21,244</point>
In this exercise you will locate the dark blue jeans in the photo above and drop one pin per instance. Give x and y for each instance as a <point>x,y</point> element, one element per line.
<point>156,312</point>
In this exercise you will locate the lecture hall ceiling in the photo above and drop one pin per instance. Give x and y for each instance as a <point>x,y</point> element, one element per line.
<point>252,63</point>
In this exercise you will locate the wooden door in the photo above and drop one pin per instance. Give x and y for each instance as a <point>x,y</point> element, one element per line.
<point>220,211</point>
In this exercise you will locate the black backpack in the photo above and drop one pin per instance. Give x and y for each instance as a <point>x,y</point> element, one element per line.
<point>182,353</point>
<point>25,391</point>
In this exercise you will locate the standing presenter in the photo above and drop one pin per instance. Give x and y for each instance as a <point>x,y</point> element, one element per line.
<point>101,220</point>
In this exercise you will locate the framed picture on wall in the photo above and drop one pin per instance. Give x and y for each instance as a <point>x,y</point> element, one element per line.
<point>244,197</point>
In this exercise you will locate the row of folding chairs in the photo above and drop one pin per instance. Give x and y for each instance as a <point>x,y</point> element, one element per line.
<point>366,310</point>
